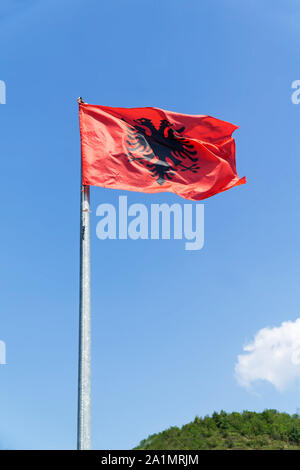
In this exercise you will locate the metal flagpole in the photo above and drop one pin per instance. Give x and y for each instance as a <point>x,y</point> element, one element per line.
<point>84,363</point>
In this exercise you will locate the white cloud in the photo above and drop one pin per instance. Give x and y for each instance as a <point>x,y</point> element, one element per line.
<point>274,355</point>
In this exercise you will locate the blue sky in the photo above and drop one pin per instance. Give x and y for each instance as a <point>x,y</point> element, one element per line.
<point>168,324</point>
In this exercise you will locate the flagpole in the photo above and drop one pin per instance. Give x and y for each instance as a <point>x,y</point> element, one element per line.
<point>84,363</point>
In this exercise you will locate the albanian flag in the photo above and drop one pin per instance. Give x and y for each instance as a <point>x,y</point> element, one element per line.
<point>152,150</point>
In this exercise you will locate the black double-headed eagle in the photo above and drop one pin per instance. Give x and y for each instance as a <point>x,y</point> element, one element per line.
<point>163,150</point>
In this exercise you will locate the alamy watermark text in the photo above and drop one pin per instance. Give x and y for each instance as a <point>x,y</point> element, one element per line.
<point>2,92</point>
<point>2,352</point>
<point>162,221</point>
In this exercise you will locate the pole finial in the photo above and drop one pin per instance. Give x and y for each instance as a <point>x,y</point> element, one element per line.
<point>80,100</point>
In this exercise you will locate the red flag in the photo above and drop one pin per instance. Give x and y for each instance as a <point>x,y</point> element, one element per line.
<point>153,150</point>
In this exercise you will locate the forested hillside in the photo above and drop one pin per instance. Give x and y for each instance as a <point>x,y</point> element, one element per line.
<point>248,430</point>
